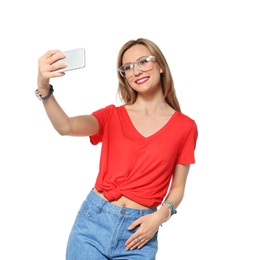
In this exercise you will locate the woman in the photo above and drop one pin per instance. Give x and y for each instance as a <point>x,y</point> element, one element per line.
<point>147,147</point>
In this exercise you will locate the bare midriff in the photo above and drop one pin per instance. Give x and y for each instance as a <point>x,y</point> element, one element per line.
<point>123,202</point>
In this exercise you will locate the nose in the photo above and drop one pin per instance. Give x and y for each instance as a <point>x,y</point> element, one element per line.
<point>136,69</point>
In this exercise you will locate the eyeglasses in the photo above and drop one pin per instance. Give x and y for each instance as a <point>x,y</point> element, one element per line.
<point>144,64</point>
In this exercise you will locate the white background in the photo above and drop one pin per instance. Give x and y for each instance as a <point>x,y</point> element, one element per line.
<point>210,47</point>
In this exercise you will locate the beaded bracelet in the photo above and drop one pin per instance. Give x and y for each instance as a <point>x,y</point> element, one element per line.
<point>171,208</point>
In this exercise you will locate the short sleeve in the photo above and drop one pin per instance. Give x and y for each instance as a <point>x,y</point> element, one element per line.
<point>102,115</point>
<point>187,151</point>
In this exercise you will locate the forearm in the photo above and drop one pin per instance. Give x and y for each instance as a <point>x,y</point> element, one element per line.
<point>83,125</point>
<point>57,116</point>
<point>177,189</point>
<point>175,196</point>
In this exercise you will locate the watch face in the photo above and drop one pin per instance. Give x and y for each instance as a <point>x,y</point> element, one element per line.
<point>38,95</point>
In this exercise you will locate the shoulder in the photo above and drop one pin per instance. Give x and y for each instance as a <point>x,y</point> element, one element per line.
<point>107,111</point>
<point>185,122</point>
<point>183,118</point>
<point>109,108</point>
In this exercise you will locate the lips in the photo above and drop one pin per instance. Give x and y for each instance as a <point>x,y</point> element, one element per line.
<point>141,80</point>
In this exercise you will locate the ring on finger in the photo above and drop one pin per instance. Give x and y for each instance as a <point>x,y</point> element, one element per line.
<point>138,239</point>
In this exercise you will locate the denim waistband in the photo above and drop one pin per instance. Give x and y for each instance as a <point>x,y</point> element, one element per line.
<point>98,201</point>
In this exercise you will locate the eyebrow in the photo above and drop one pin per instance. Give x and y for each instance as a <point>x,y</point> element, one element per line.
<point>129,62</point>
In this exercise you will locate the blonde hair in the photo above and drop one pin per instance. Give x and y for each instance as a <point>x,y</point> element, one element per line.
<point>128,95</point>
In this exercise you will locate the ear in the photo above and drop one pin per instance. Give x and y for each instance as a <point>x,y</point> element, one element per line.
<point>161,70</point>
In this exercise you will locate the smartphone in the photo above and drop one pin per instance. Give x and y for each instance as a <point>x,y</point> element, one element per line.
<point>74,58</point>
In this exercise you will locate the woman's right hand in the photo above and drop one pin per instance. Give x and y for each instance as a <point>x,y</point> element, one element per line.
<point>47,69</point>
<point>84,125</point>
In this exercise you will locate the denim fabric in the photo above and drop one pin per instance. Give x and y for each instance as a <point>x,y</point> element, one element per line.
<point>101,229</point>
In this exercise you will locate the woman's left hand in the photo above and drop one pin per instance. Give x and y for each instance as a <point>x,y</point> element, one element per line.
<point>148,226</point>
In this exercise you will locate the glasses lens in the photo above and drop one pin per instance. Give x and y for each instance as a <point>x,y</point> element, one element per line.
<point>126,70</point>
<point>145,63</point>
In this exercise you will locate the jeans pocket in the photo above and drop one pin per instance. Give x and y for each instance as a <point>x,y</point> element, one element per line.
<point>87,209</point>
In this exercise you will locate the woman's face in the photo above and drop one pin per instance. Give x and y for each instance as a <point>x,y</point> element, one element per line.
<point>144,75</point>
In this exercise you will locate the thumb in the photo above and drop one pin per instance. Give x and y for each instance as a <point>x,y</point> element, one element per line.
<point>134,224</point>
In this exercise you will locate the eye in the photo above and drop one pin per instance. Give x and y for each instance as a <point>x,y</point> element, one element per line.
<point>143,61</point>
<point>128,67</point>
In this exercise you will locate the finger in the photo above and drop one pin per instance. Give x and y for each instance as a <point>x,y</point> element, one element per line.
<point>56,57</point>
<point>57,66</point>
<point>50,53</point>
<point>135,242</point>
<point>57,74</point>
<point>143,243</point>
<point>138,244</point>
<point>134,224</point>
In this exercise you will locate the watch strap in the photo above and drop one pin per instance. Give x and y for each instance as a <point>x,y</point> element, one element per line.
<point>43,98</point>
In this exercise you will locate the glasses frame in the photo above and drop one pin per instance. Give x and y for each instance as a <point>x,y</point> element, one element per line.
<point>122,71</point>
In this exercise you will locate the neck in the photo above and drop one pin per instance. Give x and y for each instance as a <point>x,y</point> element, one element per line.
<point>150,106</point>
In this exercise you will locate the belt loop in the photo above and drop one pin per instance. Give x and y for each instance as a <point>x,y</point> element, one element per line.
<point>99,208</point>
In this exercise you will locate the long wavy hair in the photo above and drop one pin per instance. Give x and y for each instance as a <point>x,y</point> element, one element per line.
<point>128,95</point>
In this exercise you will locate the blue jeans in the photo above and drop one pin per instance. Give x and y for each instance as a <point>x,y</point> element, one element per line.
<point>101,229</point>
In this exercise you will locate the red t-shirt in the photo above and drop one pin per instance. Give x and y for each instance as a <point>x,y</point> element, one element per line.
<point>137,167</point>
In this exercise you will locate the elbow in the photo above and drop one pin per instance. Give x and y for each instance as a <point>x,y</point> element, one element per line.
<point>63,131</point>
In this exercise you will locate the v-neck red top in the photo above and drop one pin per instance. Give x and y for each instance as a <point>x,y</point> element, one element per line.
<point>139,167</point>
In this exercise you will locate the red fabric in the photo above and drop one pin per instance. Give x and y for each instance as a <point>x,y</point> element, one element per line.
<point>138,167</point>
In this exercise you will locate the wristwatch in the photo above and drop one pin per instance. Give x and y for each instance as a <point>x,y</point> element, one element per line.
<point>43,98</point>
